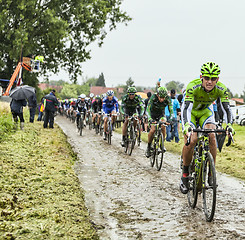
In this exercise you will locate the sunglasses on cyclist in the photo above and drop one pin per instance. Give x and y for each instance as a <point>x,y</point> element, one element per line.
<point>131,94</point>
<point>213,79</point>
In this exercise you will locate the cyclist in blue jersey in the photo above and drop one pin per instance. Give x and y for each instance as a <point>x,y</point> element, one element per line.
<point>110,106</point>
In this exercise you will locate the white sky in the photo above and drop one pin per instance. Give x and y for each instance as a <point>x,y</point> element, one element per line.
<point>171,39</point>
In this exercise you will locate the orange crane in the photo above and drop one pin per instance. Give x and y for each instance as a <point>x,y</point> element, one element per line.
<point>26,63</point>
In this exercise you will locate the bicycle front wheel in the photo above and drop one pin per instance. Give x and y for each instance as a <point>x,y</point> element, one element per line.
<point>153,153</point>
<point>131,140</point>
<point>109,133</point>
<point>81,126</point>
<point>159,152</point>
<point>209,187</point>
<point>192,193</point>
<point>138,134</point>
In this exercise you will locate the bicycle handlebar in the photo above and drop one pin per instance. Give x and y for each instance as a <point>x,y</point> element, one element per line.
<point>190,131</point>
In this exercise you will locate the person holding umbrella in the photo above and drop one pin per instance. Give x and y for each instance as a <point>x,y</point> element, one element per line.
<point>19,96</point>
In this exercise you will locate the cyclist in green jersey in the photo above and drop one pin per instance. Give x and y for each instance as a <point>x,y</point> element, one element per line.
<point>197,111</point>
<point>130,103</point>
<point>156,111</point>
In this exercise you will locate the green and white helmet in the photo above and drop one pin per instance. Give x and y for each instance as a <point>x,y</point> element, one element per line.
<point>210,69</point>
<point>162,92</point>
<point>131,90</point>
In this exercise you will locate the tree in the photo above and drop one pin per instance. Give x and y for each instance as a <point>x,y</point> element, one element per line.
<point>60,30</point>
<point>129,83</point>
<point>174,85</point>
<point>101,80</point>
<point>74,90</point>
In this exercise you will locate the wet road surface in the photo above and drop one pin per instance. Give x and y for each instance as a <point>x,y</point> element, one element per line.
<point>127,199</point>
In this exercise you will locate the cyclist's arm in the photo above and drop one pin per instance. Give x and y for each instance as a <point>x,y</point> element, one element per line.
<point>148,109</point>
<point>187,111</point>
<point>225,106</point>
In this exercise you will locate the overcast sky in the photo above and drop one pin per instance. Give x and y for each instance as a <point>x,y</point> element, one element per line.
<point>171,40</point>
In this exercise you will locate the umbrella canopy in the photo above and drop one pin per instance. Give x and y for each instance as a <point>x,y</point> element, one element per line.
<point>142,94</point>
<point>22,92</point>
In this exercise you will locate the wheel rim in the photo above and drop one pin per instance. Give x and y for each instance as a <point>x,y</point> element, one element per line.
<point>159,153</point>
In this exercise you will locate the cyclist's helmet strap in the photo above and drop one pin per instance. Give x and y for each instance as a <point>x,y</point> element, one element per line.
<point>210,69</point>
<point>162,92</point>
<point>131,90</point>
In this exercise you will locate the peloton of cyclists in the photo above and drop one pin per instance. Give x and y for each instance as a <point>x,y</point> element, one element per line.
<point>197,111</point>
<point>156,112</point>
<point>130,103</point>
<point>110,106</point>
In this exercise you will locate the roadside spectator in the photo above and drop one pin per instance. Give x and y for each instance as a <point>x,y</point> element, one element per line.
<point>32,104</point>
<point>176,109</point>
<point>40,110</point>
<point>50,105</point>
<point>16,107</point>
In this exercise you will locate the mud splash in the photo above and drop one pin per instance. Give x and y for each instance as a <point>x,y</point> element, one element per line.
<point>127,199</point>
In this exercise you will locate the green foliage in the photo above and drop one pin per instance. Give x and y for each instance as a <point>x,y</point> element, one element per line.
<point>174,85</point>
<point>101,80</point>
<point>74,90</point>
<point>129,83</point>
<point>91,81</point>
<point>60,30</point>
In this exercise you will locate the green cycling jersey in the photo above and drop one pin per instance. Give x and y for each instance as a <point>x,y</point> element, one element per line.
<point>157,108</point>
<point>132,105</point>
<point>198,100</point>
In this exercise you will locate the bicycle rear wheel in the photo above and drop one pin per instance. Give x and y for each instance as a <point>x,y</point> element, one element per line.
<point>101,127</point>
<point>209,192</point>
<point>159,152</point>
<point>193,193</point>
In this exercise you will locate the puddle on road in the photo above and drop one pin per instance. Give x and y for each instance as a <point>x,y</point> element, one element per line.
<point>127,199</point>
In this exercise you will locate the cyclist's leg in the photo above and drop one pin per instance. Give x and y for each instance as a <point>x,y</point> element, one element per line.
<point>150,138</point>
<point>78,115</point>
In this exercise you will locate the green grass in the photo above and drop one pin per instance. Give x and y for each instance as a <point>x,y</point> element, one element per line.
<point>230,161</point>
<point>40,196</point>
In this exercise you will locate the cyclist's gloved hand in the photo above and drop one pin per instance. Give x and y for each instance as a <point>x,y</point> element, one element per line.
<point>229,128</point>
<point>150,120</point>
<point>187,128</point>
<point>163,119</point>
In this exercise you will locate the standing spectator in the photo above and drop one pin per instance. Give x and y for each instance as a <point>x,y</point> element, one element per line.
<point>32,104</point>
<point>40,110</point>
<point>50,105</point>
<point>17,111</point>
<point>176,109</point>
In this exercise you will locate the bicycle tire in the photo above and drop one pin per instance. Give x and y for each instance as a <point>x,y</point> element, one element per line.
<point>159,152</point>
<point>138,134</point>
<point>192,194</point>
<point>90,122</point>
<point>101,127</point>
<point>131,140</point>
<point>209,192</point>
<point>109,133</point>
<point>81,126</point>
<point>153,153</point>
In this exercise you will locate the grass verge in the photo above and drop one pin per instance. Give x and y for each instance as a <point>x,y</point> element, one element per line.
<point>40,196</point>
<point>230,161</point>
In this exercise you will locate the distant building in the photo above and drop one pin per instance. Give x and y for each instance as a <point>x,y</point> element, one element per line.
<point>44,86</point>
<point>238,101</point>
<point>98,90</point>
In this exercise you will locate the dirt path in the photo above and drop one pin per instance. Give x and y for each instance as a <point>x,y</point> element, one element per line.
<point>127,199</point>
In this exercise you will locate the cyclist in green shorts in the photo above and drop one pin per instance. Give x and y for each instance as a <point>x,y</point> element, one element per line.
<point>156,111</point>
<point>130,103</point>
<point>197,111</point>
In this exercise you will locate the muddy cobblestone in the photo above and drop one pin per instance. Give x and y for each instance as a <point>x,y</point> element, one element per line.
<point>127,199</point>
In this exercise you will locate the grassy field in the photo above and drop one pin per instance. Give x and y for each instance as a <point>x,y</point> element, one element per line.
<point>40,196</point>
<point>230,161</point>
